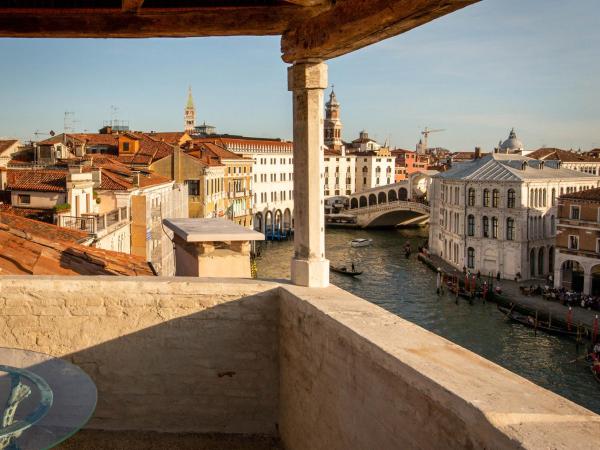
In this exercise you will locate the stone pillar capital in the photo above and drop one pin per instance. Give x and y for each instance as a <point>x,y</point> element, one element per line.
<point>307,74</point>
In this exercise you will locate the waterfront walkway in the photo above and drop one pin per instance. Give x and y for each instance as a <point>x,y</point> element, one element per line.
<point>510,290</point>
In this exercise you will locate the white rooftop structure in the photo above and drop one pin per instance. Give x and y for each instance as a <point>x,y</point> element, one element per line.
<point>510,167</point>
<point>211,230</point>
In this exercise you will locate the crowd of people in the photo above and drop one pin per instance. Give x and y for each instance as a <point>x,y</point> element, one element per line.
<point>564,296</point>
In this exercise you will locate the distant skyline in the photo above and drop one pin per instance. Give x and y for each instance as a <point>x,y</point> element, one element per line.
<point>476,73</point>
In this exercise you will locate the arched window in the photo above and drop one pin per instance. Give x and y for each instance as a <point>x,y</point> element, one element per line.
<point>511,199</point>
<point>485,227</point>
<point>486,198</point>
<point>471,197</point>
<point>471,258</point>
<point>531,198</point>
<point>552,226</point>
<point>495,198</point>
<point>494,228</point>
<point>553,199</point>
<point>510,229</point>
<point>471,225</point>
<point>544,203</point>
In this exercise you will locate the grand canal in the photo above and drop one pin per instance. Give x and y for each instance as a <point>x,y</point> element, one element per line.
<point>407,288</point>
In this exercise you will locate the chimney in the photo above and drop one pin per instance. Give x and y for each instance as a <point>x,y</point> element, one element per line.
<point>97,176</point>
<point>136,178</point>
<point>3,179</point>
<point>477,152</point>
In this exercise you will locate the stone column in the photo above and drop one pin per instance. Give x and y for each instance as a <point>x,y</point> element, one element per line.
<point>587,283</point>
<point>307,79</point>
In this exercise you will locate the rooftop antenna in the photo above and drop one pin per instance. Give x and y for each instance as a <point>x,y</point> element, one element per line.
<point>68,121</point>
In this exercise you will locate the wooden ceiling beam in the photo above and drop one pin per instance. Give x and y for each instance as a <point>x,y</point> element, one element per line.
<point>131,5</point>
<point>153,22</point>
<point>353,24</point>
<point>311,2</point>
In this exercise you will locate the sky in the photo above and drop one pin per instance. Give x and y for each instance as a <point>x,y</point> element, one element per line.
<point>529,64</point>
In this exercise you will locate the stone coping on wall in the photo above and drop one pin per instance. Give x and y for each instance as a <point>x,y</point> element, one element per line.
<point>501,409</point>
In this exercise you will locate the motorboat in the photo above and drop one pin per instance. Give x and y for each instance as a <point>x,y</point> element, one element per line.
<point>360,242</point>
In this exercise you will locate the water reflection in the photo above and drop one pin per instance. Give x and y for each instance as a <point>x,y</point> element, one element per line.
<point>407,288</point>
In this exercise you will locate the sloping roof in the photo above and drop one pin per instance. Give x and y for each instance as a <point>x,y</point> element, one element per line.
<point>213,149</point>
<point>170,137</point>
<point>117,176</point>
<point>560,155</point>
<point>507,167</point>
<point>93,139</point>
<point>37,180</point>
<point>590,194</point>
<point>28,247</point>
<point>242,143</point>
<point>150,149</point>
<point>6,144</point>
<point>35,227</point>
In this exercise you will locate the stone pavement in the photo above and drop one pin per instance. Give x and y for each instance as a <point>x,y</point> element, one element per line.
<point>510,289</point>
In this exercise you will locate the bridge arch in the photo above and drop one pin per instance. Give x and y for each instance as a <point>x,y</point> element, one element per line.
<point>353,203</point>
<point>372,199</point>
<point>392,196</point>
<point>402,194</point>
<point>258,222</point>
<point>381,198</point>
<point>363,201</point>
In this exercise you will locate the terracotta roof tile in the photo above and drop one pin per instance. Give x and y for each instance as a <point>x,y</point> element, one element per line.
<point>561,155</point>
<point>28,250</point>
<point>590,194</point>
<point>36,180</point>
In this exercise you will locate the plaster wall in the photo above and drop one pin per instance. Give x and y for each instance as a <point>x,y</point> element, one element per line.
<point>353,376</point>
<point>175,356</point>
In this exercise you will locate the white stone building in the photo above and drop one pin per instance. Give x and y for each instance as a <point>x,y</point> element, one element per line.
<point>493,213</point>
<point>374,168</point>
<point>339,173</point>
<point>272,179</point>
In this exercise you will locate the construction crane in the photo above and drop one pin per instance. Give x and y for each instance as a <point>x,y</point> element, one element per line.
<point>425,133</point>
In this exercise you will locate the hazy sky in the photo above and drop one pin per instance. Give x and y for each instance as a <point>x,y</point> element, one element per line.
<point>529,64</point>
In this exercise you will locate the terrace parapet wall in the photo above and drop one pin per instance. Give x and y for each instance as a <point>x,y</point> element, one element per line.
<point>321,368</point>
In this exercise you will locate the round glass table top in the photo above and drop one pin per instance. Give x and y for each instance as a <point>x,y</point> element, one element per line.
<point>43,400</point>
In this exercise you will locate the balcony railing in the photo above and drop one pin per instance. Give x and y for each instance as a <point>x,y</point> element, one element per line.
<point>95,224</point>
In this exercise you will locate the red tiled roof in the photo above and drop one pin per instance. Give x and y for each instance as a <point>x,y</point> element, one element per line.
<point>37,248</point>
<point>150,150</point>
<point>35,227</point>
<point>170,137</point>
<point>213,149</point>
<point>246,142</point>
<point>205,158</point>
<point>36,180</point>
<point>590,194</point>
<point>561,155</point>
<point>92,139</point>
<point>117,176</point>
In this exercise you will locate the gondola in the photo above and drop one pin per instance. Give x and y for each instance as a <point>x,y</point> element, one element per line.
<point>529,321</point>
<point>344,271</point>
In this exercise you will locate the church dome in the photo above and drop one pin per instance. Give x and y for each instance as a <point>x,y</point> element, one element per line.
<point>512,143</point>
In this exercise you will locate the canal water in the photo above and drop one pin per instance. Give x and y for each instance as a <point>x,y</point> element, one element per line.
<point>406,287</point>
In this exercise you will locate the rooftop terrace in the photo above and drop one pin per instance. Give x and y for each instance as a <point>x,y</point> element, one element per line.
<point>316,368</point>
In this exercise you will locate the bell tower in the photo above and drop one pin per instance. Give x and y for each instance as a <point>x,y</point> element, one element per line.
<point>190,114</point>
<point>333,125</point>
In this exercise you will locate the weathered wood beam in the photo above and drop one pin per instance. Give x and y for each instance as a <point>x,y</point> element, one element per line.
<point>131,5</point>
<point>153,22</point>
<point>311,2</point>
<point>353,24</point>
